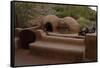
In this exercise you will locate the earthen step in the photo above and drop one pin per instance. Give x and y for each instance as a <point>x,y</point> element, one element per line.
<point>64,40</point>
<point>57,50</point>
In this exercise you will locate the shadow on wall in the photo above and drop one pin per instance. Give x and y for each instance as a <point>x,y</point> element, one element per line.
<point>48,27</point>
<point>26,37</point>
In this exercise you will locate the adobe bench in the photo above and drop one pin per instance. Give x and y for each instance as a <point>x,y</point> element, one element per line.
<point>58,48</point>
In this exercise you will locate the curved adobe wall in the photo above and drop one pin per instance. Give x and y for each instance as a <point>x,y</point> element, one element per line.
<point>72,24</point>
<point>51,19</point>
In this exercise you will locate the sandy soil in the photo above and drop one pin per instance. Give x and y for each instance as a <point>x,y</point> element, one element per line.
<point>24,57</point>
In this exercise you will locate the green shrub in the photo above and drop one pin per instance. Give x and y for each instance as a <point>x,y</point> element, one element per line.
<point>84,22</point>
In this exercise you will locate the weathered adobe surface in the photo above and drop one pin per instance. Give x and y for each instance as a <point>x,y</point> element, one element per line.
<point>63,48</point>
<point>71,24</point>
<point>58,47</point>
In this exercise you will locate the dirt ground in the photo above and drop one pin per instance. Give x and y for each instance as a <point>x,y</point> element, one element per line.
<point>24,57</point>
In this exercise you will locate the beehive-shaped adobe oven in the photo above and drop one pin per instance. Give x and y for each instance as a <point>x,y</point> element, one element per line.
<point>50,23</point>
<point>72,24</point>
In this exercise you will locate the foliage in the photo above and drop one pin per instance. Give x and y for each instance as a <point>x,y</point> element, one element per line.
<point>76,12</point>
<point>84,22</point>
<point>24,13</point>
<point>83,14</point>
<point>28,12</point>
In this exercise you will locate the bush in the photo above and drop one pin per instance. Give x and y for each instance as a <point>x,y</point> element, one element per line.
<point>84,22</point>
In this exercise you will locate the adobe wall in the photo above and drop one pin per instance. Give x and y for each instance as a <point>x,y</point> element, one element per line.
<point>91,47</point>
